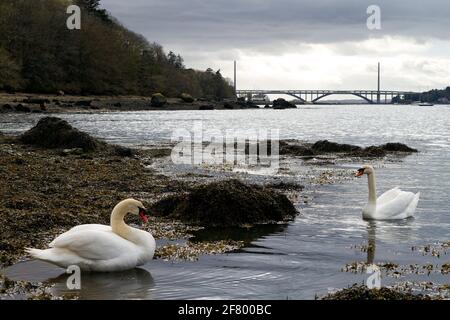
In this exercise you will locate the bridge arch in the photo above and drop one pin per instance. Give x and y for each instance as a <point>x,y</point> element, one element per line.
<point>349,93</point>
<point>295,96</point>
<point>282,93</point>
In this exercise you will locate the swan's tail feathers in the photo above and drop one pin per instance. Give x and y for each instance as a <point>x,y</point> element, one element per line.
<point>413,205</point>
<point>36,253</point>
<point>416,200</point>
<point>47,255</point>
<point>57,256</point>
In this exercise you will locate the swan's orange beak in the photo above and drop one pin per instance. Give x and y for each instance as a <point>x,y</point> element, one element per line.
<point>143,215</point>
<point>359,173</point>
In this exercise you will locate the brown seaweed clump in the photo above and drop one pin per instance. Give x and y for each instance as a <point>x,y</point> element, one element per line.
<point>56,133</point>
<point>227,203</point>
<point>397,147</point>
<point>328,147</point>
<point>325,146</point>
<point>53,133</point>
<point>359,292</point>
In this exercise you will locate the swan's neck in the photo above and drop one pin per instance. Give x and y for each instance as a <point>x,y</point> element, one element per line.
<point>372,189</point>
<point>119,226</point>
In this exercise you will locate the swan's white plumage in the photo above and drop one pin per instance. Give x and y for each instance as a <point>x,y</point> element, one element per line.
<point>94,244</point>
<point>401,205</point>
<point>394,204</point>
<point>95,247</point>
<point>389,195</point>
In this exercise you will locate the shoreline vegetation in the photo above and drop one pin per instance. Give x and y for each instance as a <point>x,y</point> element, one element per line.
<point>53,182</point>
<point>39,54</point>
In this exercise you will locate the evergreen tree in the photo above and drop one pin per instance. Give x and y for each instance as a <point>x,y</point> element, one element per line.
<point>93,7</point>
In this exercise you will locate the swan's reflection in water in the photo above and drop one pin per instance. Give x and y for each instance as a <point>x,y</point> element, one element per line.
<point>371,242</point>
<point>132,284</point>
<point>387,231</point>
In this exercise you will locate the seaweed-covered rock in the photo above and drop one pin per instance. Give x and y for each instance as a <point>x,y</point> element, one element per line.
<point>158,100</point>
<point>383,150</point>
<point>251,105</point>
<point>206,107</point>
<point>230,106</point>
<point>83,103</point>
<point>227,203</point>
<point>281,103</point>
<point>241,103</point>
<point>7,107</point>
<point>296,150</point>
<point>357,292</point>
<point>397,147</point>
<point>325,146</point>
<point>51,132</point>
<point>123,151</point>
<point>55,133</point>
<point>22,108</point>
<point>187,98</point>
<point>321,147</point>
<point>371,152</point>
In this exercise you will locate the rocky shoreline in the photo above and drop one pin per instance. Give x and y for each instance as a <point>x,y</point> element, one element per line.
<point>84,178</point>
<point>42,103</point>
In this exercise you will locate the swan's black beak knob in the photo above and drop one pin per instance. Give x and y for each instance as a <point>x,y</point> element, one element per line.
<point>143,215</point>
<point>359,173</point>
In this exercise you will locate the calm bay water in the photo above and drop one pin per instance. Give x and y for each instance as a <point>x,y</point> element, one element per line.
<point>305,257</point>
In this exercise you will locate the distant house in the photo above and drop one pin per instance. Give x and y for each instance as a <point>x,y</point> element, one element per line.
<point>443,100</point>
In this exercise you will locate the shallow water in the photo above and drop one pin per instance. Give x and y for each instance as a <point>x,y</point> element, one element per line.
<point>305,257</point>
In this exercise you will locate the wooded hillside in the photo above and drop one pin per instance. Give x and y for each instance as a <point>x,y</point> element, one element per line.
<point>38,53</point>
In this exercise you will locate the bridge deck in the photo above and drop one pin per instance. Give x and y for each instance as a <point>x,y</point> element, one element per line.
<point>371,96</point>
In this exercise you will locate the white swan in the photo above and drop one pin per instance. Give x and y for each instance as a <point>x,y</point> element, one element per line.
<point>94,247</point>
<point>394,204</point>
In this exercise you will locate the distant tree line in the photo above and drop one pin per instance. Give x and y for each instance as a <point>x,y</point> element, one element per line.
<point>39,54</point>
<point>432,96</point>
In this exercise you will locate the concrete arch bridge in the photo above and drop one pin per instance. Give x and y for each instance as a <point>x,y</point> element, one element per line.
<point>314,96</point>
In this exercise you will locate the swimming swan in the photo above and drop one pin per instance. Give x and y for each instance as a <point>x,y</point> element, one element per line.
<point>394,204</point>
<point>102,248</point>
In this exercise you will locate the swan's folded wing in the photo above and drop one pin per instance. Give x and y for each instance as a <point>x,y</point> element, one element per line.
<point>83,227</point>
<point>388,196</point>
<point>396,208</point>
<point>97,227</point>
<point>94,244</point>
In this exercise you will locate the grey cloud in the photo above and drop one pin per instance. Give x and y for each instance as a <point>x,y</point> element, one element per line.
<point>212,33</point>
<point>213,24</point>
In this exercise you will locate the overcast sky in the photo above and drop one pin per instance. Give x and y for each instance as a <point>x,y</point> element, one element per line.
<point>302,44</point>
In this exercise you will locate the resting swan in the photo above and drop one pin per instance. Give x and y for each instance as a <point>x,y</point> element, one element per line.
<point>94,247</point>
<point>394,204</point>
